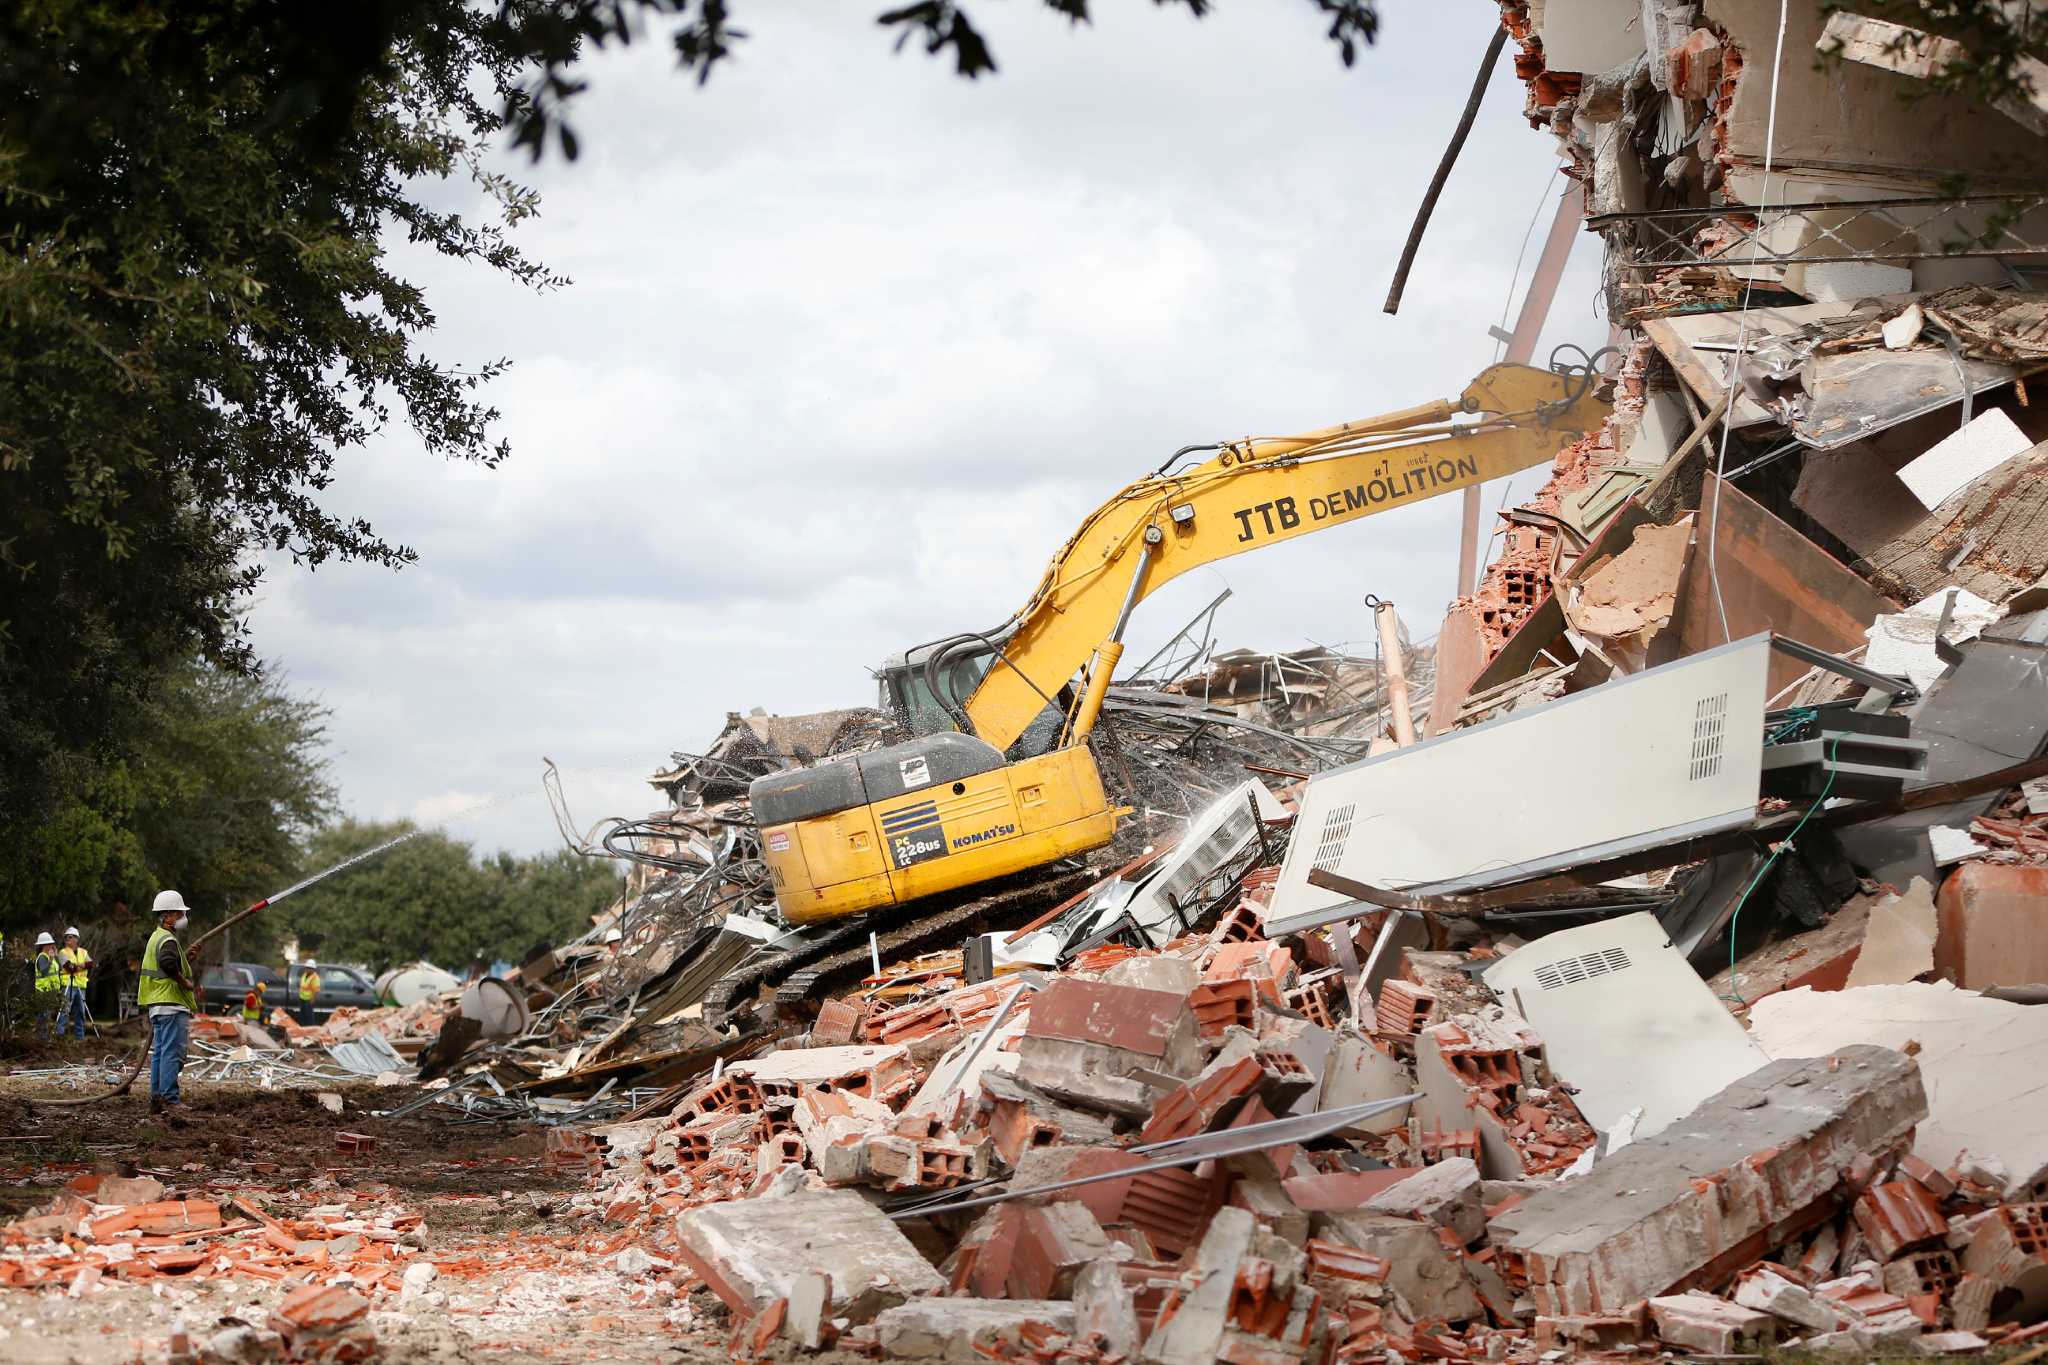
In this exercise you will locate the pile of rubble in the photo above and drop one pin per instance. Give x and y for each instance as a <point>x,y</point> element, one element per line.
<point>1663,997</point>
<point>1649,966</point>
<point>1200,1152</point>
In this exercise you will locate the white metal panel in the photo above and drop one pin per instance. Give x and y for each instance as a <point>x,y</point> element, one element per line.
<point>1214,837</point>
<point>1625,1021</point>
<point>1671,751</point>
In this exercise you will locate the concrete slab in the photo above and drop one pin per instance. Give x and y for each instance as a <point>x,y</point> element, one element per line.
<point>1712,1191</point>
<point>1426,1276</point>
<point>754,1251</point>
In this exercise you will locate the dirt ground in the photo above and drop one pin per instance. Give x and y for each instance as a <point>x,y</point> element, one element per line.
<point>526,1275</point>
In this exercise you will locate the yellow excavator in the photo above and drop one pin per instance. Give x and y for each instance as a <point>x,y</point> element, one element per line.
<point>1006,781</point>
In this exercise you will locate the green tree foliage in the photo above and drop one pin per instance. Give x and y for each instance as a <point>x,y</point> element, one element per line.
<point>197,314</point>
<point>428,898</point>
<point>704,34</point>
<point>224,777</point>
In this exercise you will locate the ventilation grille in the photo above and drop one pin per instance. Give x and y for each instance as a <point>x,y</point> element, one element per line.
<point>1572,970</point>
<point>1709,727</point>
<point>1336,833</point>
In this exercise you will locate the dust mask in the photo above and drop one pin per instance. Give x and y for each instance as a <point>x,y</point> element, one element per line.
<point>181,921</point>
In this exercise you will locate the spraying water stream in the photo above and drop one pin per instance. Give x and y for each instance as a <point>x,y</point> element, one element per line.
<point>192,950</point>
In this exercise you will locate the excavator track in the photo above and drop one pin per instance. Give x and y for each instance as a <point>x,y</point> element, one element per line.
<point>834,961</point>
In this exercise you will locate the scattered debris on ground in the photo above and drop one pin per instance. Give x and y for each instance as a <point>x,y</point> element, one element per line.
<point>1650,965</point>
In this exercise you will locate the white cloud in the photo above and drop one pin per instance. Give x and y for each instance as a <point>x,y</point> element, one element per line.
<point>852,347</point>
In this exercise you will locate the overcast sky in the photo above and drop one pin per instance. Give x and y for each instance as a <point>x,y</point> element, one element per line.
<point>852,346</point>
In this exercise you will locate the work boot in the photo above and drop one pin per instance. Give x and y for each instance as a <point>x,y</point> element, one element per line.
<point>156,1106</point>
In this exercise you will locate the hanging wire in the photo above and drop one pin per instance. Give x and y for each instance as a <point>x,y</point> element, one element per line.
<point>1735,919</point>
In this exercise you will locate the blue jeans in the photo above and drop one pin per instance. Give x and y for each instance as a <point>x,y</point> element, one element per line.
<point>49,1008</point>
<point>169,1033</point>
<point>73,1012</point>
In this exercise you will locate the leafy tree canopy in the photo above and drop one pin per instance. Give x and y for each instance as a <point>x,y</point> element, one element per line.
<point>223,778</point>
<point>197,314</point>
<point>427,898</point>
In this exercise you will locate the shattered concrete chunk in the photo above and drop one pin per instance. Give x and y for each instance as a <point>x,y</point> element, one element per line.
<point>1105,1313</point>
<point>751,1251</point>
<point>1707,1193</point>
<point>964,1331</point>
<point>1426,1277</point>
<point>1767,1289</point>
<point>1086,1042</point>
<point>1446,1194</point>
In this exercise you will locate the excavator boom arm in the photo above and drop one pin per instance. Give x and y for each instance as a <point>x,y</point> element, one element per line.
<point>1259,492</point>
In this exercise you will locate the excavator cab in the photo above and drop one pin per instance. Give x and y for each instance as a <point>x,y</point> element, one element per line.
<point>907,691</point>
<point>940,811</point>
<point>927,698</point>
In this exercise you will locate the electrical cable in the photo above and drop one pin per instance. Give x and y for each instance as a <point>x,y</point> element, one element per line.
<point>1742,326</point>
<point>1735,918</point>
<point>1768,457</point>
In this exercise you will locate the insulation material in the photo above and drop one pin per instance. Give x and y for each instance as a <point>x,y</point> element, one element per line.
<point>1965,456</point>
<point>1902,643</point>
<point>1954,844</point>
<point>1634,594</point>
<point>1898,942</point>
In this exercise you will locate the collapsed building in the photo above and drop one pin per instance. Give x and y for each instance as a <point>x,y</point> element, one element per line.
<point>1667,1038</point>
<point>1641,968</point>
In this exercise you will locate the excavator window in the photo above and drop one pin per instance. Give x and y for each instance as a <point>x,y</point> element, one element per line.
<point>907,696</point>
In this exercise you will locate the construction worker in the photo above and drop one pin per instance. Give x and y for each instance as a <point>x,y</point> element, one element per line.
<point>49,985</point>
<point>612,939</point>
<point>167,995</point>
<point>252,1004</point>
<point>309,990</point>
<point>75,965</point>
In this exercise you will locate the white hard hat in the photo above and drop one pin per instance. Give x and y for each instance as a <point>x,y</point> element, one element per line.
<point>613,936</point>
<point>72,932</point>
<point>43,940</point>
<point>309,962</point>
<point>169,903</point>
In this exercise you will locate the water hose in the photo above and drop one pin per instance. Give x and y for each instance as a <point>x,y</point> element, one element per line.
<point>192,955</point>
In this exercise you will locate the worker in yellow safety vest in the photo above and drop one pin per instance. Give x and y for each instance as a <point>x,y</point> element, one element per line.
<point>75,965</point>
<point>166,993</point>
<point>309,990</point>
<point>49,983</point>
<point>252,1004</point>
